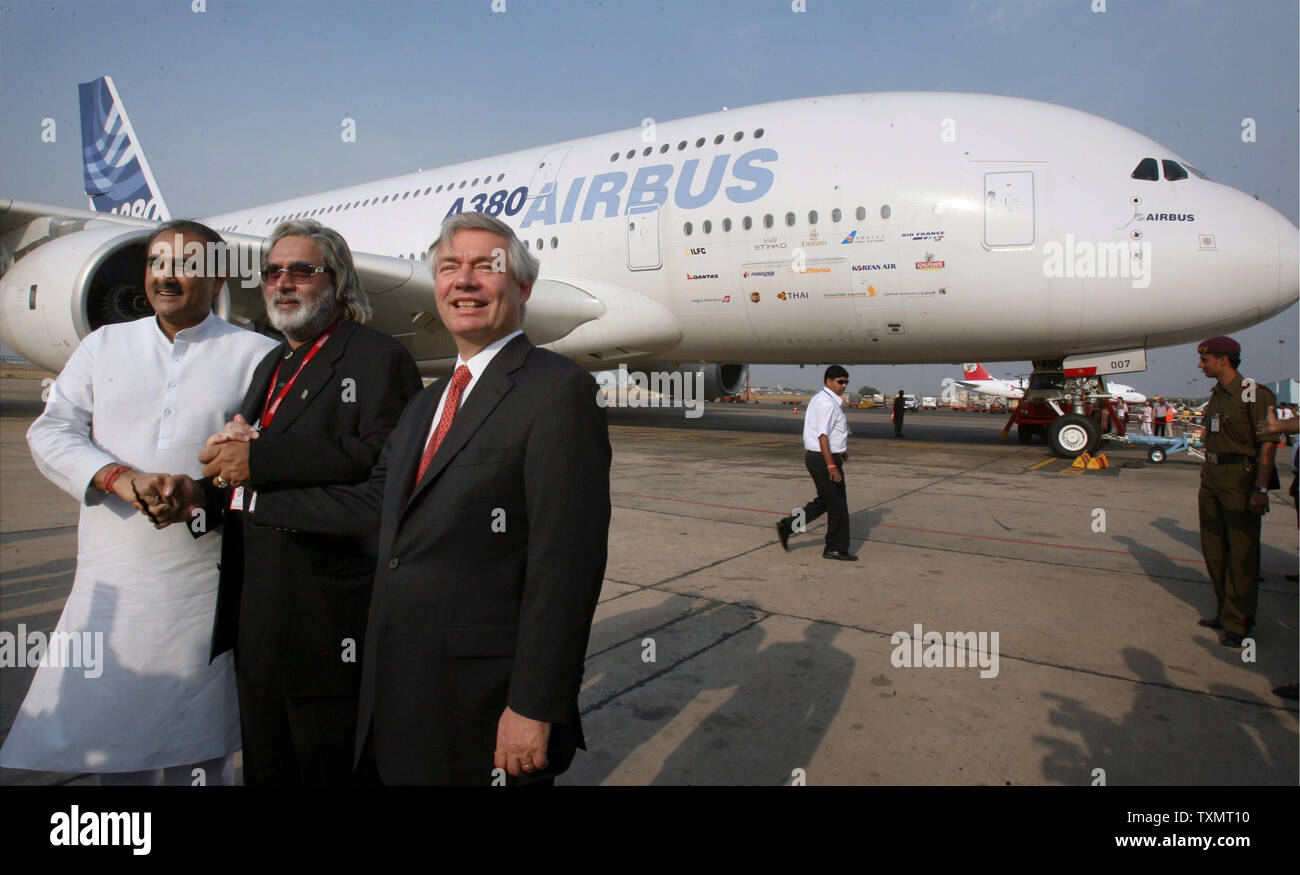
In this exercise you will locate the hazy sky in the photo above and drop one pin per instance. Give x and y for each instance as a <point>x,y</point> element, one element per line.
<point>242,103</point>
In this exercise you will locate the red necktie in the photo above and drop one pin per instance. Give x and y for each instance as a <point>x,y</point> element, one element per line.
<point>459,380</point>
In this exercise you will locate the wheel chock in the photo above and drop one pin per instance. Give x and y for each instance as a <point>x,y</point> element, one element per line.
<point>1081,460</point>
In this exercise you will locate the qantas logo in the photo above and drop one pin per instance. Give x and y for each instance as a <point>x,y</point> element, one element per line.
<point>701,276</point>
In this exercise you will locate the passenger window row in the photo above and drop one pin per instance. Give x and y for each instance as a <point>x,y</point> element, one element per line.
<point>681,145</point>
<point>860,214</point>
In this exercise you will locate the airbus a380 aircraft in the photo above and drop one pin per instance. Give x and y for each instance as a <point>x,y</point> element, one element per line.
<point>860,228</point>
<point>978,379</point>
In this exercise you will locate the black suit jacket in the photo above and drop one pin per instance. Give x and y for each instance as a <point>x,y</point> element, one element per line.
<point>489,569</point>
<point>288,600</point>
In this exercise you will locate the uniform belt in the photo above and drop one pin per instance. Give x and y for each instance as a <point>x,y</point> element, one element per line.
<point>1227,458</point>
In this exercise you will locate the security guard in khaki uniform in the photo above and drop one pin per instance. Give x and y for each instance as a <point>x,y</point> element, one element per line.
<point>1234,487</point>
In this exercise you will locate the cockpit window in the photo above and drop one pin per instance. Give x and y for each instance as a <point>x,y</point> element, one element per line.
<point>1199,174</point>
<point>1147,169</point>
<point>1173,170</point>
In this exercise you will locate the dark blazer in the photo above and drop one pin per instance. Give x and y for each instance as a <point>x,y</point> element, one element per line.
<point>288,600</point>
<point>489,569</point>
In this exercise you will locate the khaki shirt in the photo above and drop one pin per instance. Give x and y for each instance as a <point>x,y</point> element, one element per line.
<point>1237,419</point>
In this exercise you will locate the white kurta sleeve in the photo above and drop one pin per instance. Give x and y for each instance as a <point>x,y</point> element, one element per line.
<point>60,438</point>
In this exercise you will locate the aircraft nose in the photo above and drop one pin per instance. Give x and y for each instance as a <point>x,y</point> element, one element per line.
<point>1288,263</point>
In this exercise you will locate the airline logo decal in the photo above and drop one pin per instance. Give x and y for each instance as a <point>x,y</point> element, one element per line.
<point>792,296</point>
<point>754,296</point>
<point>749,273</point>
<point>701,276</point>
<point>890,266</point>
<point>866,237</point>
<point>930,263</point>
<point>924,236</point>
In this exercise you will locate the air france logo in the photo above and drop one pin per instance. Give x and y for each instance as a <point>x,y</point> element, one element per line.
<point>926,236</point>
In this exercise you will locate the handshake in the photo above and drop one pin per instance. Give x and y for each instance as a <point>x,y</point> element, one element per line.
<point>171,498</point>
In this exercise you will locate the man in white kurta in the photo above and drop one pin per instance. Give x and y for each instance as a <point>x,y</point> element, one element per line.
<point>132,396</point>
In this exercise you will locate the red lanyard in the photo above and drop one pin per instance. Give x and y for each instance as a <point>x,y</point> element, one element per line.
<point>271,406</point>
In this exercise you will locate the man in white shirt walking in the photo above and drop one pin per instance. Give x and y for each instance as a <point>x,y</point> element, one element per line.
<point>825,441</point>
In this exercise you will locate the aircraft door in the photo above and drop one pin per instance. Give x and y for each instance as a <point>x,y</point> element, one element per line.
<point>643,241</point>
<point>547,172</point>
<point>1009,208</point>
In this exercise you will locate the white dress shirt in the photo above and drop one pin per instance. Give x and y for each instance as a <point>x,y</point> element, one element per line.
<point>130,395</point>
<point>825,416</point>
<point>477,364</point>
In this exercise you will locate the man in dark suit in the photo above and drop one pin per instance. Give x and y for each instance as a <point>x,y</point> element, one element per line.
<point>292,604</point>
<point>492,502</point>
<point>900,410</point>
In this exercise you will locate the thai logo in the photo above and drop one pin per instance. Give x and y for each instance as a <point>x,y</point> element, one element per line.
<point>930,263</point>
<point>792,296</point>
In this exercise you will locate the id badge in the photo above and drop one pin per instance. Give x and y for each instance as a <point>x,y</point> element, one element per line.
<point>1214,422</point>
<point>237,498</point>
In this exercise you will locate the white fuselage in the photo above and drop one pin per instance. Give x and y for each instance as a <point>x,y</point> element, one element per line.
<point>895,227</point>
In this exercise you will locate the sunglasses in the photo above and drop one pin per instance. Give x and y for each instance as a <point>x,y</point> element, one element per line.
<point>299,270</point>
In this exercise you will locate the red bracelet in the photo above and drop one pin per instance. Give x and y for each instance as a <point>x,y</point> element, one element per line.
<point>117,471</point>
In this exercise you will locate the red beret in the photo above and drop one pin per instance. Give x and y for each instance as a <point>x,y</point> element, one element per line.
<point>1219,346</point>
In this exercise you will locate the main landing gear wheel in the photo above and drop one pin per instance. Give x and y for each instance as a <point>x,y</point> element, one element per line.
<point>1156,455</point>
<point>1071,435</point>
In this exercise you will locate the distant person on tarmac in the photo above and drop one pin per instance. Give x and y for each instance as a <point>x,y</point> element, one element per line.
<point>1159,412</point>
<point>899,407</point>
<point>1146,415</point>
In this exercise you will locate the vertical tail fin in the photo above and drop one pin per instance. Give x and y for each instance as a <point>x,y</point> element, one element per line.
<point>118,179</point>
<point>975,371</point>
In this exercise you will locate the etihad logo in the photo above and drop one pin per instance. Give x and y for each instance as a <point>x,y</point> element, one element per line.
<point>929,263</point>
<point>696,251</point>
<point>918,236</point>
<point>701,276</point>
<point>866,237</point>
<point>792,296</point>
<point>749,273</point>
<point>769,243</point>
<point>1170,217</point>
<point>890,266</point>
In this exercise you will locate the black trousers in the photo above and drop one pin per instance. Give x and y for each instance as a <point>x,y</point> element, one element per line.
<point>302,740</point>
<point>832,498</point>
<point>898,423</point>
